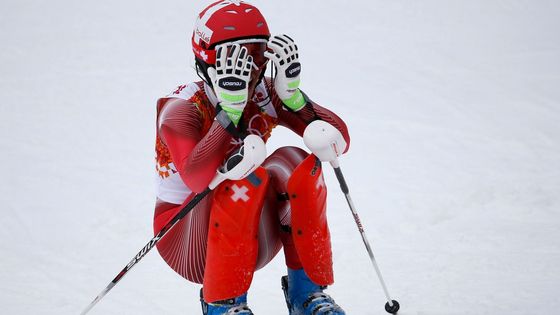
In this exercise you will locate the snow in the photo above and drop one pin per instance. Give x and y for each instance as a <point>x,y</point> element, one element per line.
<point>453,109</point>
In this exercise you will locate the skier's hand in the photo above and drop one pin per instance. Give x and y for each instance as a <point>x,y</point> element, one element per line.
<point>231,79</point>
<point>324,140</point>
<point>252,152</point>
<point>285,57</point>
<point>242,161</point>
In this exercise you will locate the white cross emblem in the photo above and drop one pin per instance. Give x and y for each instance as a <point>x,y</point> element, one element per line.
<point>204,55</point>
<point>240,193</point>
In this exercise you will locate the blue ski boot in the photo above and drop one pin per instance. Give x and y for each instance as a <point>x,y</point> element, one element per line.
<point>237,306</point>
<point>304,297</point>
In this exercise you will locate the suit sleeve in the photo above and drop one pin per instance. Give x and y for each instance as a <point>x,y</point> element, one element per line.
<point>298,121</point>
<point>196,156</point>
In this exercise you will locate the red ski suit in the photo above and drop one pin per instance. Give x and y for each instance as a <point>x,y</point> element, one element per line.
<point>242,226</point>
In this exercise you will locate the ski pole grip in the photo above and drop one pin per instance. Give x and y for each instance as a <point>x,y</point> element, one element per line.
<point>341,180</point>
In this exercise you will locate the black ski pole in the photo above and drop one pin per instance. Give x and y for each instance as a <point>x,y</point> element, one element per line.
<point>328,143</point>
<point>181,214</point>
<point>392,306</point>
<point>252,153</point>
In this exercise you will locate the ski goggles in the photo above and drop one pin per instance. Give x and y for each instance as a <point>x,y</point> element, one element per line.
<point>255,47</point>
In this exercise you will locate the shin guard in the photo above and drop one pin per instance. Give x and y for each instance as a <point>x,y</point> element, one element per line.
<point>233,236</point>
<point>310,232</point>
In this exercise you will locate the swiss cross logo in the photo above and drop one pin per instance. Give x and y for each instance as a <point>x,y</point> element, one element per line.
<point>204,55</point>
<point>240,193</point>
<point>201,53</point>
<point>179,89</point>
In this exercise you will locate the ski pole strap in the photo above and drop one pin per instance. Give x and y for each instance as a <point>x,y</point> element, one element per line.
<point>226,123</point>
<point>341,180</point>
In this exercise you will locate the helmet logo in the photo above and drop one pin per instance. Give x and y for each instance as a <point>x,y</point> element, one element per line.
<point>201,53</point>
<point>203,35</point>
<point>202,31</point>
<point>223,21</point>
<point>204,55</point>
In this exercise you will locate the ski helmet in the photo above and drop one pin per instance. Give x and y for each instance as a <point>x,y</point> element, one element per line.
<point>225,21</point>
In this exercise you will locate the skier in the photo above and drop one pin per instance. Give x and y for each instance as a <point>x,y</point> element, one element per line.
<point>243,224</point>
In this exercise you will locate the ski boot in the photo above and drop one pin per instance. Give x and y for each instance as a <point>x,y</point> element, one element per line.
<point>237,306</point>
<point>304,297</point>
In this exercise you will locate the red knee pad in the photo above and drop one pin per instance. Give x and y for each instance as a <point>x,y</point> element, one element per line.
<point>233,236</point>
<point>310,231</point>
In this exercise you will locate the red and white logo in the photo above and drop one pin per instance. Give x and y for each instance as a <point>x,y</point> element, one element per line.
<point>201,53</point>
<point>201,30</point>
<point>240,193</point>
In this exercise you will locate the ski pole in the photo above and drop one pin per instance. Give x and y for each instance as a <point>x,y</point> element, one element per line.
<point>392,306</point>
<point>328,143</point>
<point>186,209</point>
<point>252,153</point>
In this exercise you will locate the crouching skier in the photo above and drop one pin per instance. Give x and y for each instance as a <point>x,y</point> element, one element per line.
<point>243,224</point>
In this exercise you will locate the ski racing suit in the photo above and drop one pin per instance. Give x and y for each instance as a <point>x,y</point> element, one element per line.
<point>241,225</point>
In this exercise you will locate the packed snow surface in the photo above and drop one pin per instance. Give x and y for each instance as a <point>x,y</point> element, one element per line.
<point>454,112</point>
